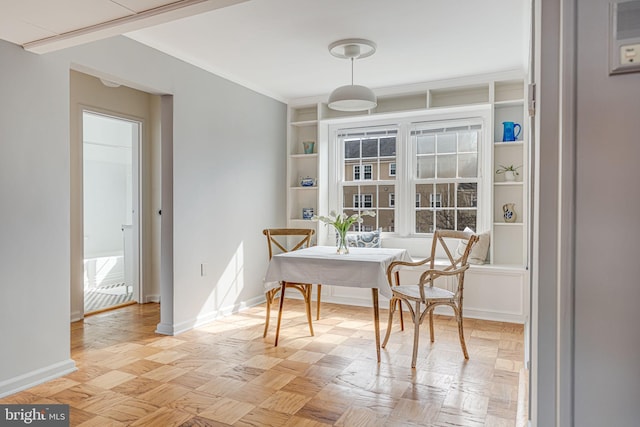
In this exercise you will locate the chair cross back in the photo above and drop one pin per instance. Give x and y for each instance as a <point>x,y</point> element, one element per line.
<point>272,234</point>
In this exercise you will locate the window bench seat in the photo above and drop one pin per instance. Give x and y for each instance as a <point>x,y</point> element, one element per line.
<point>491,291</point>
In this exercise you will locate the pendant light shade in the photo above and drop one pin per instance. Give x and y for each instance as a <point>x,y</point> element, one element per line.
<point>352,97</point>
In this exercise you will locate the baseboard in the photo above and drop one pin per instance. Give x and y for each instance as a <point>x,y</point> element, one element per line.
<point>209,317</point>
<point>39,376</point>
<point>76,315</point>
<point>151,298</point>
<point>383,303</point>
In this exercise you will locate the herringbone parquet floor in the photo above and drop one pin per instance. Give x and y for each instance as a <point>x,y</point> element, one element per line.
<point>226,373</point>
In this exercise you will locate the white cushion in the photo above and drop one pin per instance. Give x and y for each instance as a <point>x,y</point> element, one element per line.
<point>479,251</point>
<point>413,291</point>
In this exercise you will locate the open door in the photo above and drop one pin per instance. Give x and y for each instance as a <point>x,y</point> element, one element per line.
<point>111,210</point>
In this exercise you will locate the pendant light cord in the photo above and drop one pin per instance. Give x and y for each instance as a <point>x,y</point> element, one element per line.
<point>352,71</point>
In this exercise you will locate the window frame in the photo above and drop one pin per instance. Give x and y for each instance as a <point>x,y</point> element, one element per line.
<point>404,217</point>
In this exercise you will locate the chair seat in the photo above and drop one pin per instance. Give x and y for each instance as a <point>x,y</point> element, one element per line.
<point>413,292</point>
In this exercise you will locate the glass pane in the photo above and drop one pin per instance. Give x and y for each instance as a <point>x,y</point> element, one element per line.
<point>426,144</point>
<point>446,143</point>
<point>387,169</point>
<point>447,166</point>
<point>370,148</point>
<point>467,195</point>
<point>352,170</point>
<point>352,149</point>
<point>388,146</point>
<point>386,220</point>
<point>424,221</point>
<point>383,195</point>
<point>445,195</point>
<point>446,219</point>
<point>370,196</point>
<point>467,219</point>
<point>468,142</point>
<point>426,167</point>
<point>423,194</point>
<point>347,196</point>
<point>467,165</point>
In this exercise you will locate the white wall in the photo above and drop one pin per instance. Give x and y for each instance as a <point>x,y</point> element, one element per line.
<point>34,218</point>
<point>228,161</point>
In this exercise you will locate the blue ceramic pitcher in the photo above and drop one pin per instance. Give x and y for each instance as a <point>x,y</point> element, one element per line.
<point>511,131</point>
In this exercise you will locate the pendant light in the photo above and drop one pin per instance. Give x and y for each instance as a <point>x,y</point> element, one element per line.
<point>352,97</point>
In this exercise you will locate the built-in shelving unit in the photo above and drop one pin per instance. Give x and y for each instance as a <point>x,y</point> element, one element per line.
<point>506,96</point>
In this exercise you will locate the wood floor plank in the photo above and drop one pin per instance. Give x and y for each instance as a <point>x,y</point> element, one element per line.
<point>226,374</point>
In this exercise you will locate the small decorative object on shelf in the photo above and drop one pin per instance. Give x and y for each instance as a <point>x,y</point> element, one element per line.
<point>308,146</point>
<point>307,182</point>
<point>509,213</point>
<point>511,131</point>
<point>342,223</point>
<point>307,213</point>
<point>510,172</point>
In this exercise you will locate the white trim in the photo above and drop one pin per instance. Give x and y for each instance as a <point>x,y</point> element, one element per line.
<point>566,216</point>
<point>39,376</point>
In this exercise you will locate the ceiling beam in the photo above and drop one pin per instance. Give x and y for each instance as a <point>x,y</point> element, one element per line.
<point>160,15</point>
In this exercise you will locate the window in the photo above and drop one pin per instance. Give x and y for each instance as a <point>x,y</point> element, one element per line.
<point>446,171</point>
<point>435,200</point>
<point>368,172</point>
<point>363,201</point>
<point>434,159</point>
<point>365,183</point>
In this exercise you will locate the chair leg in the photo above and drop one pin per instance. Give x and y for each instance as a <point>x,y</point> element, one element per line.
<point>392,308</point>
<point>431,334</point>
<point>416,333</point>
<point>282,288</point>
<point>307,303</point>
<point>269,296</point>
<point>401,316</point>
<point>318,302</point>
<point>461,333</point>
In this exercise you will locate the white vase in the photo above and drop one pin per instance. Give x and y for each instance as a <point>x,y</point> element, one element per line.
<point>509,176</point>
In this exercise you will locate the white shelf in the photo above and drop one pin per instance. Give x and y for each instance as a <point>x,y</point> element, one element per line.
<point>300,188</point>
<point>507,183</point>
<point>509,103</point>
<point>519,143</point>
<point>507,224</point>
<point>304,123</point>
<point>303,156</point>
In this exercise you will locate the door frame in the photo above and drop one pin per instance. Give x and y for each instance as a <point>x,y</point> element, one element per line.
<point>138,291</point>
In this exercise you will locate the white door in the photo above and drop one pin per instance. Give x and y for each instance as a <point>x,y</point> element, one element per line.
<point>110,210</point>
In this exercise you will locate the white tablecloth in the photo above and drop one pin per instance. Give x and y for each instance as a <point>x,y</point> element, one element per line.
<point>360,268</point>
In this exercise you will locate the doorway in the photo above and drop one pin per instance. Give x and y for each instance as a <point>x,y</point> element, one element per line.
<point>111,190</point>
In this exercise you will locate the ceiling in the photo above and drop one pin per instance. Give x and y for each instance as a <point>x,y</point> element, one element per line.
<point>279,47</point>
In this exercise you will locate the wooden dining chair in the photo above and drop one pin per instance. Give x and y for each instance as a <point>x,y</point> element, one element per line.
<point>450,269</point>
<point>281,240</point>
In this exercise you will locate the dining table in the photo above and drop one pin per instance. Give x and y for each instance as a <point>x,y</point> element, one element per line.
<point>360,268</point>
